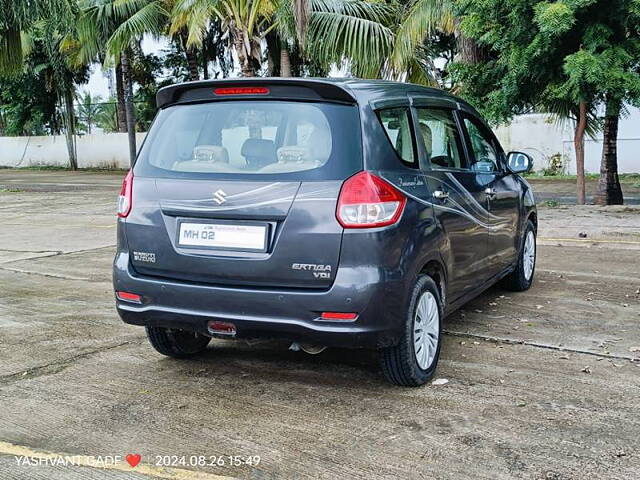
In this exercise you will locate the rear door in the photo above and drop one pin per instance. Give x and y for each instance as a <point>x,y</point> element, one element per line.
<point>502,194</point>
<point>243,192</point>
<point>458,199</point>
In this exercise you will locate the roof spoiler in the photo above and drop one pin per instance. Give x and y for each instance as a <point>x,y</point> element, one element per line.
<point>279,88</point>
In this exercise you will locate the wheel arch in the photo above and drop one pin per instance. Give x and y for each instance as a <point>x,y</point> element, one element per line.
<point>435,269</point>
<point>533,217</point>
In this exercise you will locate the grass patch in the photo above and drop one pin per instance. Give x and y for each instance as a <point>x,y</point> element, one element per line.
<point>626,178</point>
<point>551,203</point>
<point>58,168</point>
<point>44,167</point>
<point>535,176</point>
<point>10,190</point>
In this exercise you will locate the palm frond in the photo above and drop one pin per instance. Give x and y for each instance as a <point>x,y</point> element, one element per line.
<point>423,19</point>
<point>351,30</point>
<point>150,18</point>
<point>195,16</point>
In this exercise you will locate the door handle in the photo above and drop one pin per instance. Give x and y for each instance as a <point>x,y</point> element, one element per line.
<point>440,195</point>
<point>491,192</point>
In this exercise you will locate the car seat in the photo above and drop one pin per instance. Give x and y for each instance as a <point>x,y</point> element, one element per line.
<point>258,153</point>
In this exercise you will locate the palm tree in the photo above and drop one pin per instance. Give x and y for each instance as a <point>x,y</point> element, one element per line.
<point>88,110</point>
<point>352,31</point>
<point>94,25</point>
<point>581,111</point>
<point>107,117</point>
<point>609,191</point>
<point>246,21</point>
<point>420,20</point>
<point>109,29</point>
<point>17,18</point>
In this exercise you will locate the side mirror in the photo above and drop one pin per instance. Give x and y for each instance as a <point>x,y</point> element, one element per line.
<point>519,162</point>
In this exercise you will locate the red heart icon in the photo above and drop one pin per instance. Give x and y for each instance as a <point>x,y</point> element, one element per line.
<point>132,459</point>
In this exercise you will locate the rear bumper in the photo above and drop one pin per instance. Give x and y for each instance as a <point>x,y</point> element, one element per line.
<point>277,313</point>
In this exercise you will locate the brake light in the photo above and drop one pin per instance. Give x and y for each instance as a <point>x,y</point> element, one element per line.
<point>124,199</point>
<point>367,201</point>
<point>241,91</point>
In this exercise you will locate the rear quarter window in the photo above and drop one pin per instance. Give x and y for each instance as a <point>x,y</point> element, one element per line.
<point>253,138</point>
<point>397,125</point>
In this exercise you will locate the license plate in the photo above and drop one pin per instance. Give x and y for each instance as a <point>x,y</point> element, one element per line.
<point>233,236</point>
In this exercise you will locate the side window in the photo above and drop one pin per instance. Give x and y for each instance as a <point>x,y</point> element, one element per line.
<point>439,131</point>
<point>397,124</point>
<point>485,154</point>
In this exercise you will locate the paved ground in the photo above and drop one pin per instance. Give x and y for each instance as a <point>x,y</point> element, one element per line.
<point>541,385</point>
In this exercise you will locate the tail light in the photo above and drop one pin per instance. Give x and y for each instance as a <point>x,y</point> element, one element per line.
<point>124,200</point>
<point>367,201</point>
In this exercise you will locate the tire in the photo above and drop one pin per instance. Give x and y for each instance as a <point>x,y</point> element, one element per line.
<point>400,364</point>
<point>522,277</point>
<point>177,343</point>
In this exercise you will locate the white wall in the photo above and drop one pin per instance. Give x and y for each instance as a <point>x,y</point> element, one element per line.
<point>539,136</point>
<point>535,134</point>
<point>98,150</point>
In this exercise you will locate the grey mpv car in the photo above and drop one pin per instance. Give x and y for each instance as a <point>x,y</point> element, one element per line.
<point>330,212</point>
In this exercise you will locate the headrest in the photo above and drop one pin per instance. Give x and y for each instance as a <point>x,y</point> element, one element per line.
<point>210,153</point>
<point>427,136</point>
<point>257,147</point>
<point>293,154</point>
<point>320,142</point>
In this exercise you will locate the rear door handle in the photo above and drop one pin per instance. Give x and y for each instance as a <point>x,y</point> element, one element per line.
<point>440,195</point>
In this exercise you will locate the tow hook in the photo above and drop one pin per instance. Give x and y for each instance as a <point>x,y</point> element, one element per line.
<point>221,328</point>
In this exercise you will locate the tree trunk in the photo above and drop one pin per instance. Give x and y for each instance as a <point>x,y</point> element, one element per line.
<point>129,107</point>
<point>578,143</point>
<point>121,115</point>
<point>70,130</point>
<point>609,191</point>
<point>469,52</point>
<point>285,62</point>
<point>245,58</point>
<point>205,64</point>
<point>190,54</point>
<point>273,53</point>
<point>192,61</point>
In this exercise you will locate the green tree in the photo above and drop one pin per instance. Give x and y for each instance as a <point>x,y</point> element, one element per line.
<point>555,56</point>
<point>614,45</point>
<point>27,106</point>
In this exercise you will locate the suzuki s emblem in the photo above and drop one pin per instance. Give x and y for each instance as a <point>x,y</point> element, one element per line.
<point>220,197</point>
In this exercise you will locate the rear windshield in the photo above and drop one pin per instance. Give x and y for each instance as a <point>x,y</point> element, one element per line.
<point>252,138</point>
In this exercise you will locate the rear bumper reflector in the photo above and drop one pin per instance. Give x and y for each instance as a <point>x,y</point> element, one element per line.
<point>129,297</point>
<point>338,316</point>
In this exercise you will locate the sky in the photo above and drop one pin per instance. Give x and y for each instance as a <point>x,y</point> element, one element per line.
<point>98,83</point>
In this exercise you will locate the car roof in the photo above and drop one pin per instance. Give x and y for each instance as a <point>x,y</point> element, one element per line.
<point>349,90</point>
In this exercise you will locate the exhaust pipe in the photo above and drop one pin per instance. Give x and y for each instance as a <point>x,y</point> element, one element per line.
<point>309,348</point>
